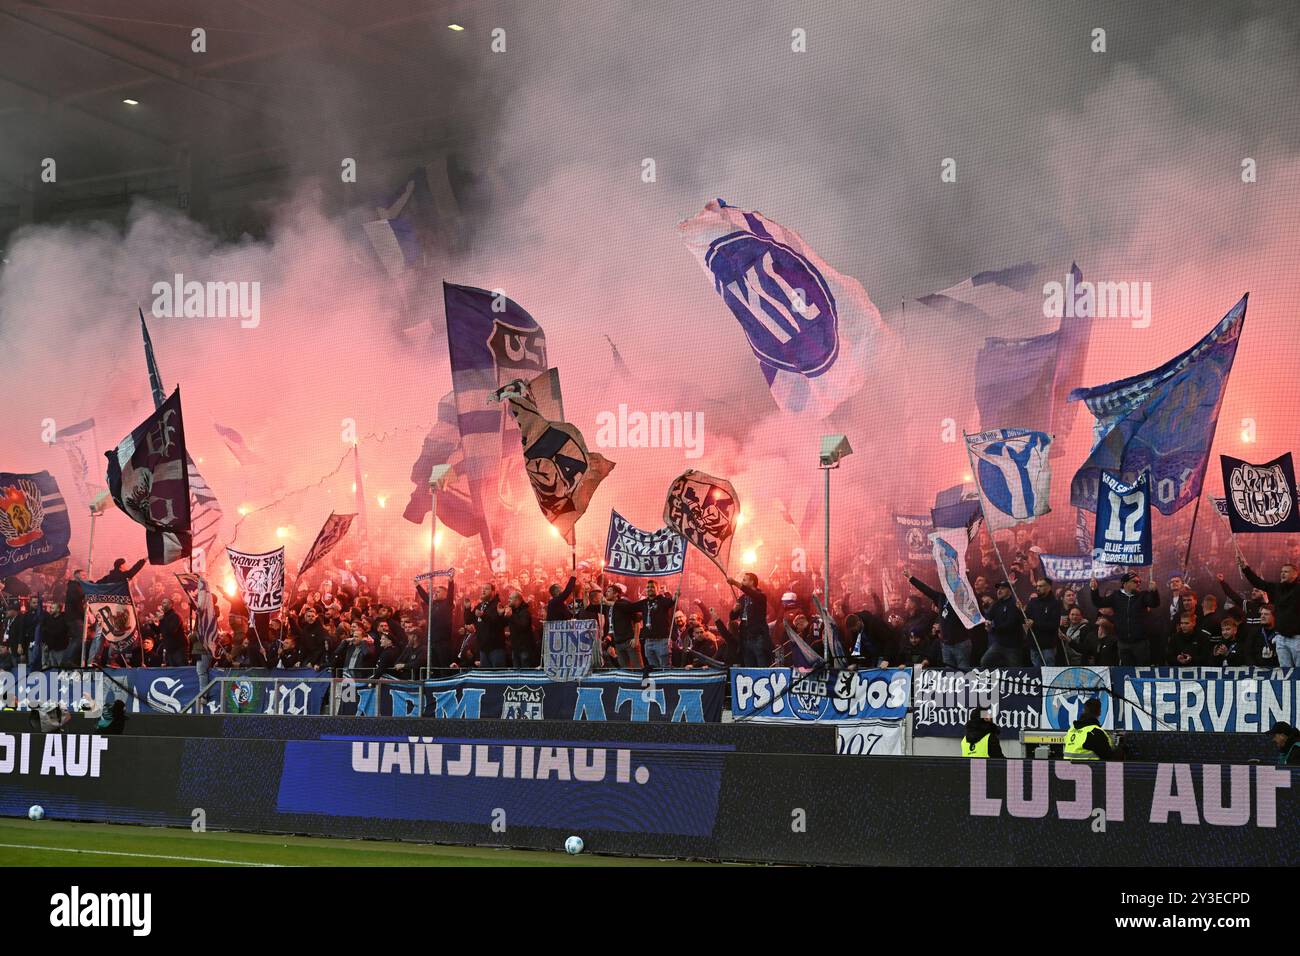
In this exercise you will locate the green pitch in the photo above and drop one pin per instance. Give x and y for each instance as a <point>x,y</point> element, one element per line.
<point>59,843</point>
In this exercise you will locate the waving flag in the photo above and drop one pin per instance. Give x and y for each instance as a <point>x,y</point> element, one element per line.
<point>1162,420</point>
<point>205,612</point>
<point>238,447</point>
<point>1013,474</point>
<point>491,341</point>
<point>948,546</point>
<point>564,475</point>
<point>111,608</point>
<point>1260,498</point>
<point>205,510</point>
<point>957,507</point>
<point>148,480</point>
<point>1123,533</point>
<point>76,439</point>
<point>410,224</point>
<point>813,331</point>
<point>33,522</point>
<point>331,533</point>
<point>911,535</point>
<point>260,578</point>
<point>703,510</point>
<point>1025,381</point>
<point>642,554</point>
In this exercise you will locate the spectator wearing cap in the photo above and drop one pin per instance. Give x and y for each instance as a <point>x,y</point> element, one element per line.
<point>1006,630</point>
<point>1287,739</point>
<point>1130,607</point>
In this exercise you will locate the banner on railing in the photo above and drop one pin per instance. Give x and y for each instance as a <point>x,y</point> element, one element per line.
<point>674,696</point>
<point>785,694</point>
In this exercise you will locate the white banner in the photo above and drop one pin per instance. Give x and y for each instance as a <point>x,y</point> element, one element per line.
<point>260,578</point>
<point>870,738</point>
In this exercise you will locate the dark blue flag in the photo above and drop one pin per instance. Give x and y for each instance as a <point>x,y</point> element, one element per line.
<point>1162,420</point>
<point>33,521</point>
<point>1123,533</point>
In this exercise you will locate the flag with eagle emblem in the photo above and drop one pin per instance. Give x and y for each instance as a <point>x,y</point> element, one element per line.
<point>33,522</point>
<point>149,481</point>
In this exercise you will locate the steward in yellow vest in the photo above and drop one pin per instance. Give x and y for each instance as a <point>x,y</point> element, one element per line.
<point>1086,740</point>
<point>980,737</point>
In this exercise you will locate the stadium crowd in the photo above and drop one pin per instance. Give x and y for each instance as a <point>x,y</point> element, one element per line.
<point>351,616</point>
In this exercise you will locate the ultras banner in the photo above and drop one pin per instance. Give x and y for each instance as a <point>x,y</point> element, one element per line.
<point>785,694</point>
<point>689,696</point>
<point>700,801</point>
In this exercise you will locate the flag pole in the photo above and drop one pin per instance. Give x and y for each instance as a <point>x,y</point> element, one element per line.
<point>1191,534</point>
<point>996,550</point>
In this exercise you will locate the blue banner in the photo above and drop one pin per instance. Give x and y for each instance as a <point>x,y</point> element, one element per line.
<point>1231,705</point>
<point>780,693</point>
<point>33,522</point>
<point>674,696</point>
<point>1123,532</point>
<point>577,787</point>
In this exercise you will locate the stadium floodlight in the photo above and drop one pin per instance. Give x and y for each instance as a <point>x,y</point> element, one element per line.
<point>834,447</point>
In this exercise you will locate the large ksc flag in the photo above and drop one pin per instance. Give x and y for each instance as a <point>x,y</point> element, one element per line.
<point>948,546</point>
<point>813,331</point>
<point>1260,498</point>
<point>491,341</point>
<point>1123,533</point>
<point>149,481</point>
<point>33,521</point>
<point>1013,474</point>
<point>703,510</point>
<point>1162,420</point>
<point>564,475</point>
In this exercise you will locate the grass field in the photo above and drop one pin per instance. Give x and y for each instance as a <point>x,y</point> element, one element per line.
<point>59,843</point>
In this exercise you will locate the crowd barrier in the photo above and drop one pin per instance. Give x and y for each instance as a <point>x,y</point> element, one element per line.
<point>664,800</point>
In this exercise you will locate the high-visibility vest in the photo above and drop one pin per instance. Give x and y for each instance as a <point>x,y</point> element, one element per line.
<point>978,749</point>
<point>1075,738</point>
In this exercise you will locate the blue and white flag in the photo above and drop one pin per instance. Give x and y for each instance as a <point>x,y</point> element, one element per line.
<point>33,522</point>
<point>411,224</point>
<point>1123,533</point>
<point>642,554</point>
<point>949,549</point>
<point>813,331</point>
<point>957,507</point>
<point>492,341</point>
<point>1013,474</point>
<point>1162,420</point>
<point>1025,381</point>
